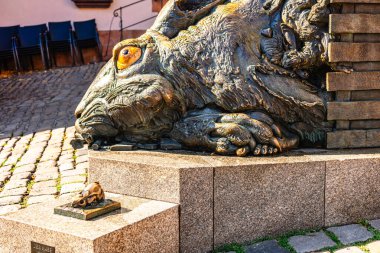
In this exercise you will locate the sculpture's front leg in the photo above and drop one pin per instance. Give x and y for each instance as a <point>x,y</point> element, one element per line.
<point>233,133</point>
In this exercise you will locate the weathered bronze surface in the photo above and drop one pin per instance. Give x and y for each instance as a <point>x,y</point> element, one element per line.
<point>88,204</point>
<point>89,212</point>
<point>91,195</point>
<point>231,77</point>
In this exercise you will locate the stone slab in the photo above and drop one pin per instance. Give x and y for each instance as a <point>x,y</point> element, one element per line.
<point>311,242</point>
<point>352,190</point>
<point>271,246</point>
<point>141,226</point>
<point>222,197</point>
<point>375,224</point>
<point>176,178</point>
<point>267,200</point>
<point>351,233</point>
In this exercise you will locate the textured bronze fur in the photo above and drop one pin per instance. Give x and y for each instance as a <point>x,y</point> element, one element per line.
<point>231,77</point>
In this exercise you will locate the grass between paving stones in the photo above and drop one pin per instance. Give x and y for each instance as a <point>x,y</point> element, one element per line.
<point>59,184</point>
<point>24,201</point>
<point>283,241</point>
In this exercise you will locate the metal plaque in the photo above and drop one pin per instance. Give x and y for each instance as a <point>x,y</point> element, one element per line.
<point>42,248</point>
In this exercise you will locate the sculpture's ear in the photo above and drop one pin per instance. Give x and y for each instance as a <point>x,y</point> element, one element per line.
<point>178,15</point>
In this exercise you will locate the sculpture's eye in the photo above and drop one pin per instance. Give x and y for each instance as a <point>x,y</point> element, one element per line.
<point>128,56</point>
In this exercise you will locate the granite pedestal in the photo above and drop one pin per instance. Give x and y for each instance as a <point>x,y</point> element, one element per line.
<point>232,199</point>
<point>140,226</point>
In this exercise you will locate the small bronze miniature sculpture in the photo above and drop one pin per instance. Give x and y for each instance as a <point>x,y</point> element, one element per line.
<point>91,195</point>
<point>90,203</point>
<point>231,77</point>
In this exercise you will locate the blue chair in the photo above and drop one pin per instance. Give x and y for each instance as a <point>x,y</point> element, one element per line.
<point>59,38</point>
<point>86,35</point>
<point>31,42</point>
<point>7,36</point>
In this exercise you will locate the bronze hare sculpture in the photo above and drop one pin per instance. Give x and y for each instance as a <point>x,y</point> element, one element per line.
<point>230,77</point>
<point>91,195</point>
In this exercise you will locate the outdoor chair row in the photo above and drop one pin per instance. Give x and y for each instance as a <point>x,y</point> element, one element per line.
<point>45,40</point>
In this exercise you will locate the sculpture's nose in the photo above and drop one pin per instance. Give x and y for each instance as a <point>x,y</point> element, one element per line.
<point>79,110</point>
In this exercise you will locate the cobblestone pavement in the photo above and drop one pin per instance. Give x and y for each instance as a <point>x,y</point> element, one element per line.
<point>37,161</point>
<point>354,238</point>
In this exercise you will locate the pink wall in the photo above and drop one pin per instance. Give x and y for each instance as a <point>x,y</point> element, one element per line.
<point>32,12</point>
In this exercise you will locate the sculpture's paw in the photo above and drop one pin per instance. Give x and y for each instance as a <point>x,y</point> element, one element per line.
<point>241,134</point>
<point>254,133</point>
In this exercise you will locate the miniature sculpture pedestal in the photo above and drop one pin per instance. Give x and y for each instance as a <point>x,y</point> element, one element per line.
<point>102,208</point>
<point>140,226</point>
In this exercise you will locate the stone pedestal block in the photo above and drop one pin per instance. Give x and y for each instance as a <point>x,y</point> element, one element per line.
<point>234,199</point>
<point>263,200</point>
<point>178,178</point>
<point>140,226</point>
<point>352,190</point>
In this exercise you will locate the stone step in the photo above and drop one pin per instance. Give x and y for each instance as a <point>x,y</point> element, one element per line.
<point>141,225</point>
<point>233,199</point>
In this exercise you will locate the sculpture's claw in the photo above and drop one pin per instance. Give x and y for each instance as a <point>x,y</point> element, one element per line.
<point>235,134</point>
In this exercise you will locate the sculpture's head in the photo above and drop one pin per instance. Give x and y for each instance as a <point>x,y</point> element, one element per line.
<point>137,93</point>
<point>92,194</point>
<point>131,95</point>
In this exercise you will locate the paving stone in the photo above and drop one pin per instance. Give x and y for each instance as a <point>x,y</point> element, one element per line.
<point>40,185</point>
<point>68,188</point>
<point>14,192</point>
<point>311,242</point>
<point>43,191</point>
<point>12,160</point>
<point>373,247</point>
<point>73,179</point>
<point>46,176</point>
<point>25,175</point>
<point>75,172</point>
<point>10,200</point>
<point>266,247</point>
<point>25,168</point>
<point>46,165</point>
<point>350,250</point>
<point>81,159</point>
<point>351,233</point>
<point>9,209</point>
<point>5,168</point>
<point>82,166</point>
<point>39,199</point>
<point>66,166</point>
<point>375,224</point>
<point>4,177</point>
<point>69,195</point>
<point>12,184</point>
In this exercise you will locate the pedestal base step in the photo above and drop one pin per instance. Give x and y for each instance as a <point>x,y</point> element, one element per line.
<point>141,225</point>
